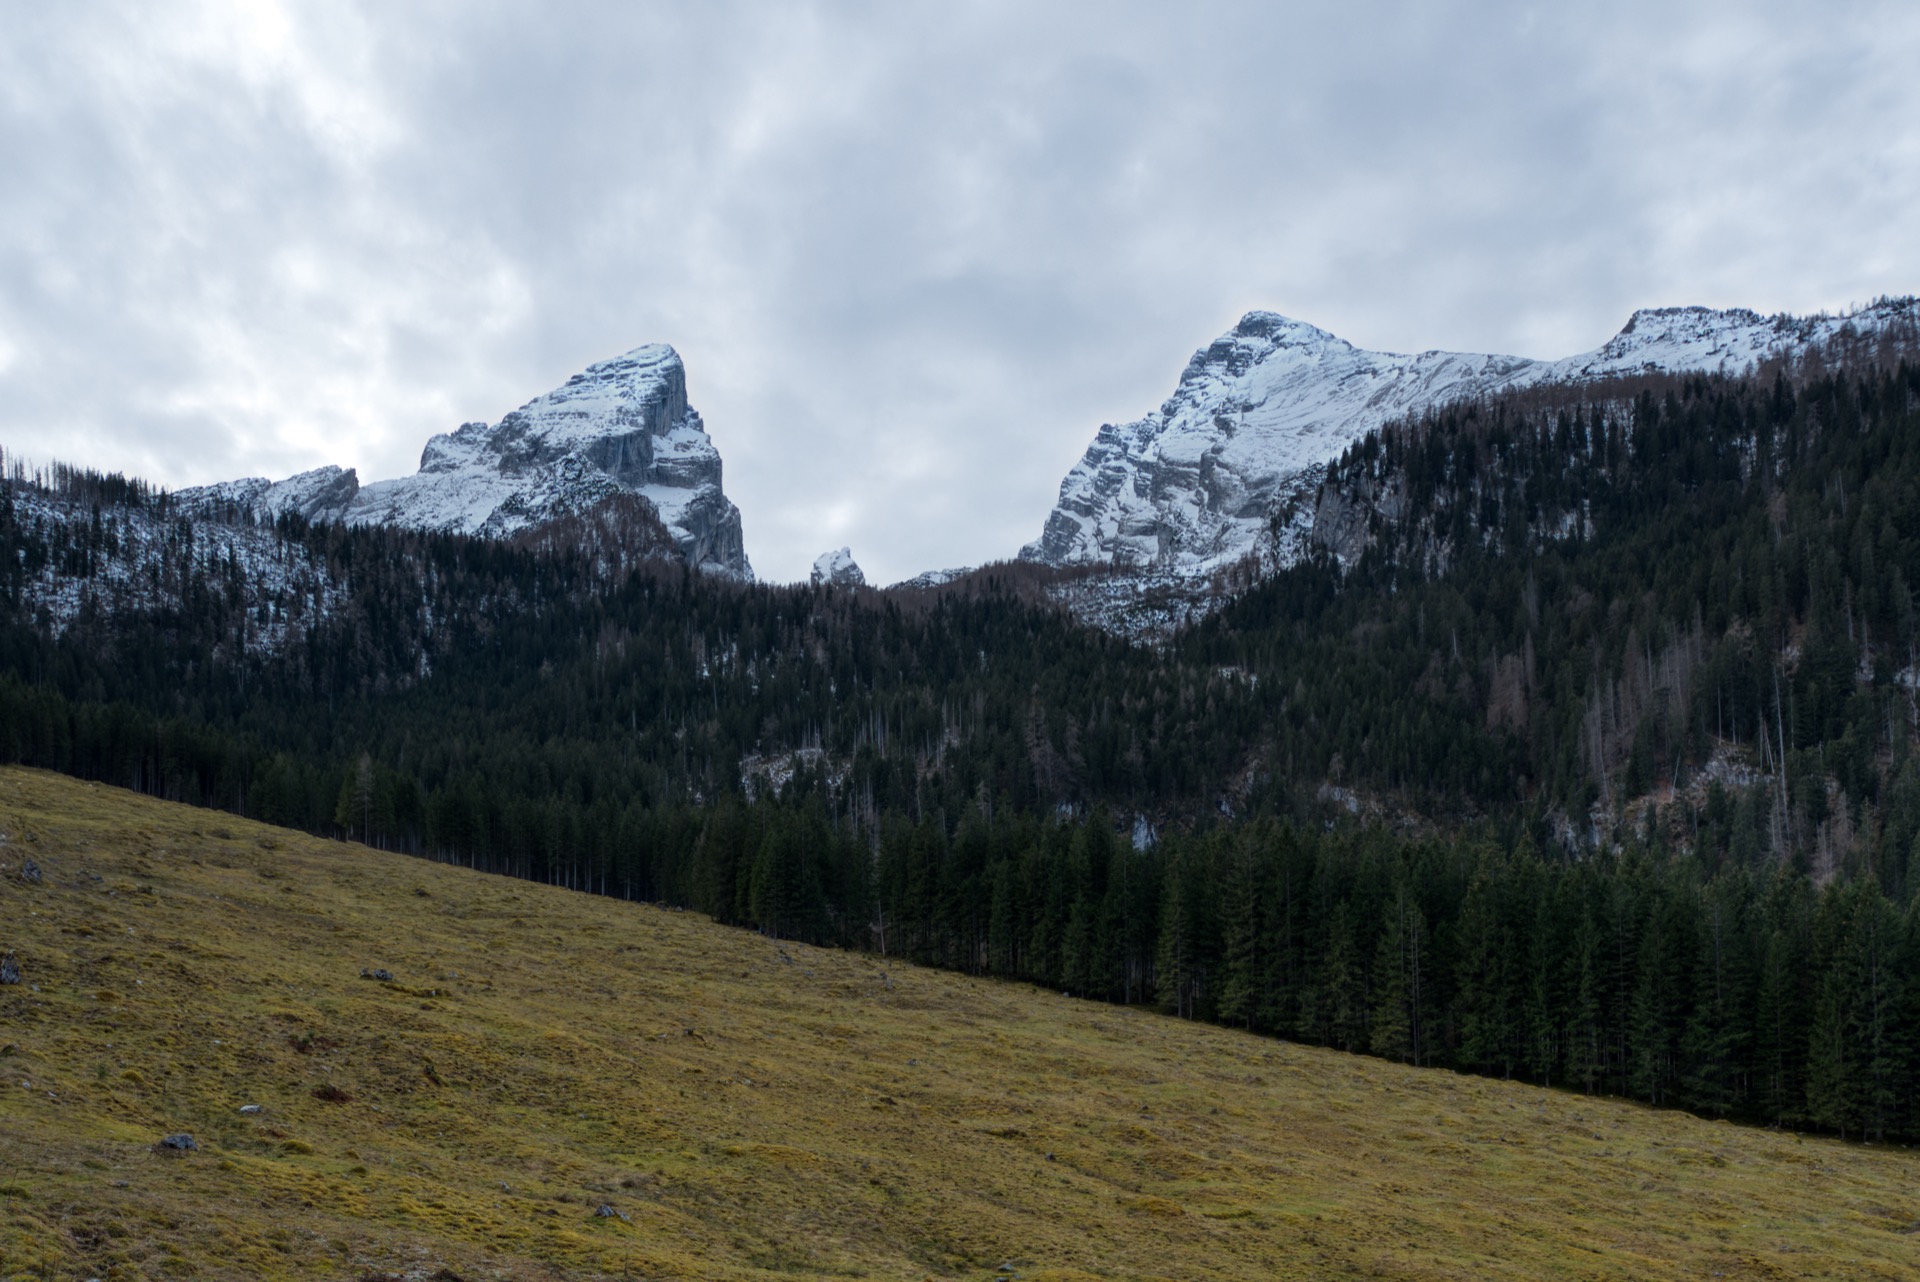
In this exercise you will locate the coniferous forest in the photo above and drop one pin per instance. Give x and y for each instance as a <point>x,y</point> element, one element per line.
<point>1582,748</point>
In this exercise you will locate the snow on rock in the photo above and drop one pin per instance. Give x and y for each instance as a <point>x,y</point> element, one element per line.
<point>325,493</point>
<point>146,559</point>
<point>1224,468</point>
<point>931,578</point>
<point>621,426</point>
<point>839,569</point>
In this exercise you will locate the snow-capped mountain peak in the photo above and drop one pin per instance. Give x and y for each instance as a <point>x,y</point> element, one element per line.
<point>1196,485</point>
<point>621,426</point>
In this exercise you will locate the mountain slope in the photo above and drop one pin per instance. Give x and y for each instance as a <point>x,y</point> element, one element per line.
<point>747,1109</point>
<point>1208,479</point>
<point>621,427</point>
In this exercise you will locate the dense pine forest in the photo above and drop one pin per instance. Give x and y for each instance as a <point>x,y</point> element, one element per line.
<point>1581,748</point>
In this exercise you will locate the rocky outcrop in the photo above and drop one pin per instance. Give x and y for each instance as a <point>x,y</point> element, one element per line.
<point>929,579</point>
<point>838,569</point>
<point>324,494</point>
<point>621,427</point>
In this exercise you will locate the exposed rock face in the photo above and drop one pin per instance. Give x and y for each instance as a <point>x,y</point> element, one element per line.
<point>1193,486</point>
<point>322,494</point>
<point>839,569</point>
<point>1228,467</point>
<point>932,578</point>
<point>621,427</point>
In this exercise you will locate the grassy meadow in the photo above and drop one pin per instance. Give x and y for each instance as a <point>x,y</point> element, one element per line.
<point>744,1108</point>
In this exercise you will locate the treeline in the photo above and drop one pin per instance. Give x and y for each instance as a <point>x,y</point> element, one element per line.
<point>1730,989</point>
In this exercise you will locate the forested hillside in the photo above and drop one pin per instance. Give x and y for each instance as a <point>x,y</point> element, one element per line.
<point>1582,749</point>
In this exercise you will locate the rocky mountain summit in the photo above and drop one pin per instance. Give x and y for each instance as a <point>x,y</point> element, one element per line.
<point>1227,467</point>
<point>838,569</point>
<point>621,427</point>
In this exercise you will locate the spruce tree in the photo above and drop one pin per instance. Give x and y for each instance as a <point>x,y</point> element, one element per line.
<point>1241,963</point>
<point>1343,983</point>
<point>1177,959</point>
<point>1398,975</point>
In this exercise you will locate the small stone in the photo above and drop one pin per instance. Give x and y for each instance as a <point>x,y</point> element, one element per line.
<point>9,970</point>
<point>249,1110</point>
<point>30,873</point>
<point>181,1143</point>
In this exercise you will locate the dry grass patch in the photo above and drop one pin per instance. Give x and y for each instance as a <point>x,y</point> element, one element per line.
<point>747,1109</point>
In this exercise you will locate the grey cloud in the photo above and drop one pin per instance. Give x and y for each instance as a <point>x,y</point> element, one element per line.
<point>914,254</point>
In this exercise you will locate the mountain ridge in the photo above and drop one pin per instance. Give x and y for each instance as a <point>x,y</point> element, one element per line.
<point>1222,474</point>
<point>1194,487</point>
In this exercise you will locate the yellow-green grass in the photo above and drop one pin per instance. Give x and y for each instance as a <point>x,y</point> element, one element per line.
<point>753,1109</point>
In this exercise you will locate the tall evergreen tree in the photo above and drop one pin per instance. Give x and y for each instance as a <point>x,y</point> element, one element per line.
<point>1399,973</point>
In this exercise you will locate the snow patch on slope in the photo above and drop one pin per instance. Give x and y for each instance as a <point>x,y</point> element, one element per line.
<point>111,561</point>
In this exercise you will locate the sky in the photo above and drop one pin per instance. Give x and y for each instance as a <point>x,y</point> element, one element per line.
<point>913,254</point>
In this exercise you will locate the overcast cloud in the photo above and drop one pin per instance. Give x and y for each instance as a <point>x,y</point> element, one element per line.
<point>913,254</point>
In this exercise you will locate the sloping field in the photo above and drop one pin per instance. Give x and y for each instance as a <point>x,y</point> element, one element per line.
<point>748,1109</point>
